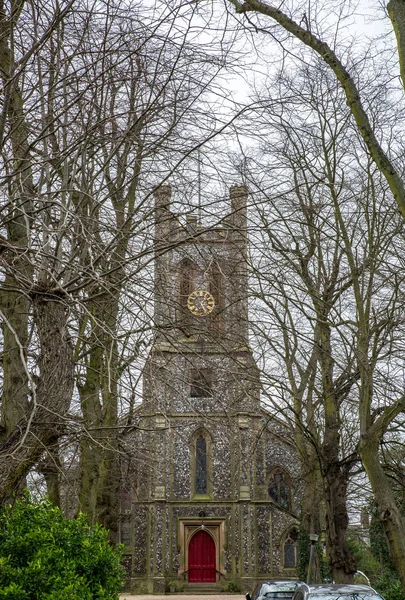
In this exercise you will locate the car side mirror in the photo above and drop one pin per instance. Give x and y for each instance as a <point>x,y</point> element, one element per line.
<point>248,597</point>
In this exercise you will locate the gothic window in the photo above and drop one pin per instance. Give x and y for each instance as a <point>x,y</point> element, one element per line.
<point>200,383</point>
<point>201,465</point>
<point>124,498</point>
<point>279,488</point>
<point>186,280</point>
<point>187,270</point>
<point>291,549</point>
<point>217,289</point>
<point>125,532</point>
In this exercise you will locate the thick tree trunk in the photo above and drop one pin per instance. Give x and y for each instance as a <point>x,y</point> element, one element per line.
<point>90,446</point>
<point>98,397</point>
<point>108,490</point>
<point>342,565</point>
<point>14,401</point>
<point>390,516</point>
<point>14,302</point>
<point>312,504</point>
<point>45,422</point>
<point>98,472</point>
<point>51,468</point>
<point>335,477</point>
<point>107,501</point>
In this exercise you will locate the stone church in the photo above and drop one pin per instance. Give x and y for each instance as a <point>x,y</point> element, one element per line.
<point>211,492</point>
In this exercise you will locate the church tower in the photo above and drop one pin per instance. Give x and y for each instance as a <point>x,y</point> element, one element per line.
<point>200,361</point>
<point>198,484</point>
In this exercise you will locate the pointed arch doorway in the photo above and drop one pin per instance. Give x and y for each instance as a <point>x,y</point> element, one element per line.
<point>201,558</point>
<point>215,528</point>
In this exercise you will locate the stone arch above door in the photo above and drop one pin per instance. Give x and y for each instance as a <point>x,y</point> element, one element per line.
<point>215,527</point>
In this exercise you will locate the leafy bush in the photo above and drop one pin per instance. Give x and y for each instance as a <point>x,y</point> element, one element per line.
<point>44,556</point>
<point>375,563</point>
<point>304,546</point>
<point>233,587</point>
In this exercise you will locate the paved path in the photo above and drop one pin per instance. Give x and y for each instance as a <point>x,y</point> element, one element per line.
<point>184,597</point>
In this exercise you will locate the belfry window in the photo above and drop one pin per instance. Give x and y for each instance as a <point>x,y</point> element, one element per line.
<point>187,270</point>
<point>200,383</point>
<point>186,281</point>
<point>279,488</point>
<point>217,289</point>
<point>201,465</point>
<point>291,549</point>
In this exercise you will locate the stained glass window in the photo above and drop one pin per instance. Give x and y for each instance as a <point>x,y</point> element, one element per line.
<point>201,465</point>
<point>279,488</point>
<point>290,549</point>
<point>125,532</point>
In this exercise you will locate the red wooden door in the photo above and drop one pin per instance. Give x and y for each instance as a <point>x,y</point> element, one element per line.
<point>201,558</point>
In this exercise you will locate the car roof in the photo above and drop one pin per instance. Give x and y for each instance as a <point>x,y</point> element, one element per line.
<point>322,588</point>
<point>272,581</point>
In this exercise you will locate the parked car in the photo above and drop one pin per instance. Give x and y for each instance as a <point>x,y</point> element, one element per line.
<point>280,589</point>
<point>335,592</point>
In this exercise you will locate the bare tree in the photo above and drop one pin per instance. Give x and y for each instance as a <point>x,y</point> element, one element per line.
<point>330,238</point>
<point>347,81</point>
<point>307,30</point>
<point>99,106</point>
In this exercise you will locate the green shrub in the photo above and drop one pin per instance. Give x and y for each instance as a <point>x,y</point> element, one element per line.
<point>44,556</point>
<point>304,549</point>
<point>374,562</point>
<point>233,587</point>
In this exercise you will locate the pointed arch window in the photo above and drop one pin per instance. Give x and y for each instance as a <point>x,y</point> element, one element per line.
<point>217,289</point>
<point>125,498</point>
<point>290,549</point>
<point>186,279</point>
<point>279,488</point>
<point>186,275</point>
<point>201,464</point>
<point>125,532</point>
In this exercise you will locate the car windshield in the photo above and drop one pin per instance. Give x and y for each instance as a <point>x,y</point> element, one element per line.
<point>276,594</point>
<point>274,588</point>
<point>343,596</point>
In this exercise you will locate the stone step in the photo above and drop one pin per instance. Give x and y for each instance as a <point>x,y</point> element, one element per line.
<point>201,588</point>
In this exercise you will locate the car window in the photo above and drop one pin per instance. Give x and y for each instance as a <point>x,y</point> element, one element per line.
<point>256,592</point>
<point>278,587</point>
<point>275,595</point>
<point>342,596</point>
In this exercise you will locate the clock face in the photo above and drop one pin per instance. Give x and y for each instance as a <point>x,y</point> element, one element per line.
<point>200,303</point>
